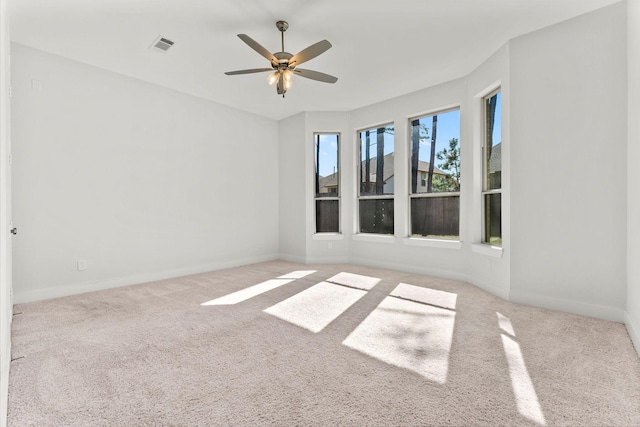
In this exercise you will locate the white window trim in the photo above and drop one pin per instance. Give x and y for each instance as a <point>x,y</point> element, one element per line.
<point>327,236</point>
<point>375,238</point>
<point>424,195</point>
<point>429,241</point>
<point>369,237</point>
<point>433,242</point>
<point>487,249</point>
<point>485,176</point>
<point>338,197</point>
<point>378,197</point>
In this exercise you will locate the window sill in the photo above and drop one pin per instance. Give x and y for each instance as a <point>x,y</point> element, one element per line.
<point>327,236</point>
<point>432,243</point>
<point>488,250</point>
<point>378,238</point>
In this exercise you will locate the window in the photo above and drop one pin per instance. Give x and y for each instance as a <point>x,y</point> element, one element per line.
<point>435,175</point>
<point>492,169</point>
<point>376,177</point>
<point>327,183</point>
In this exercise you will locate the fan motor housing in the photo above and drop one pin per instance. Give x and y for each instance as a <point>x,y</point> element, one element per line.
<point>283,58</point>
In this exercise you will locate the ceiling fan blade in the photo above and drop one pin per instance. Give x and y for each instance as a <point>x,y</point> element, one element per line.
<point>249,71</point>
<point>258,48</point>
<point>316,75</point>
<point>309,53</point>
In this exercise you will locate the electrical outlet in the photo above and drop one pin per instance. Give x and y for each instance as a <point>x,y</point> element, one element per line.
<point>82,265</point>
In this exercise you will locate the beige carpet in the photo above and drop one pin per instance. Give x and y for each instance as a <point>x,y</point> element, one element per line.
<point>287,344</point>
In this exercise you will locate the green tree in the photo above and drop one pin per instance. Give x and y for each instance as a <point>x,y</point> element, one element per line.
<point>451,163</point>
<point>434,129</point>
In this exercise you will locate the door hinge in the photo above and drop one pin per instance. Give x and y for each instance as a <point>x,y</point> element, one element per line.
<point>10,158</point>
<point>9,91</point>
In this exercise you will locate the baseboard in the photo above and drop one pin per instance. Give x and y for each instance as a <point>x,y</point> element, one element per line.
<point>408,268</point>
<point>570,306</point>
<point>489,287</point>
<point>435,272</point>
<point>293,258</point>
<point>633,327</point>
<point>4,385</point>
<point>80,288</point>
<point>328,260</point>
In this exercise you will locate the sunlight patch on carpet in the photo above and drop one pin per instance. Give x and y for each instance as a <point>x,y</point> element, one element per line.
<point>408,335</point>
<point>523,389</point>
<point>505,324</point>
<point>425,295</point>
<point>354,280</point>
<point>249,292</point>
<point>316,307</point>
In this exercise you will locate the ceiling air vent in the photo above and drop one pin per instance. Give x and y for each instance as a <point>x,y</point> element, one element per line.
<point>162,44</point>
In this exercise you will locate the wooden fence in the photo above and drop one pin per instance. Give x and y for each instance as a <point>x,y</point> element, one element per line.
<point>430,216</point>
<point>435,216</point>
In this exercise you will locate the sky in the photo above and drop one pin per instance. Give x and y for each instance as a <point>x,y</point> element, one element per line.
<point>328,154</point>
<point>448,127</point>
<point>497,125</point>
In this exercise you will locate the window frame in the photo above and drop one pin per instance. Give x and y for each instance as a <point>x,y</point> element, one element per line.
<point>338,198</point>
<point>429,195</point>
<point>359,197</point>
<point>485,191</point>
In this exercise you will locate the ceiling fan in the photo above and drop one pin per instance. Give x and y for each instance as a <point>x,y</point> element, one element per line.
<point>284,65</point>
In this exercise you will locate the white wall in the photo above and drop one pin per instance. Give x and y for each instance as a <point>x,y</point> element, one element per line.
<point>445,259</point>
<point>164,176</point>
<point>564,123</point>
<point>489,267</point>
<point>292,179</point>
<point>139,181</point>
<point>568,151</point>
<point>633,173</point>
<point>5,212</point>
<point>396,251</point>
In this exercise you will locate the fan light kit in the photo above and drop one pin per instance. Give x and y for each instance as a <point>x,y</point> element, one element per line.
<point>284,65</point>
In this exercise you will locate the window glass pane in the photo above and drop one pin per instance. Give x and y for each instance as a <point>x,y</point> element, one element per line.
<point>326,168</point>
<point>376,216</point>
<point>492,220</point>
<point>376,172</point>
<point>435,153</point>
<point>327,220</point>
<point>493,138</point>
<point>437,217</point>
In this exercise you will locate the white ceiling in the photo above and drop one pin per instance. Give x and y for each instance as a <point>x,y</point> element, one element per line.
<point>381,48</point>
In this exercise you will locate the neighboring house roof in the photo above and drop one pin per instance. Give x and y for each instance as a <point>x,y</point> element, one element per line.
<point>332,180</point>
<point>329,181</point>
<point>495,161</point>
<point>388,167</point>
<point>424,167</point>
